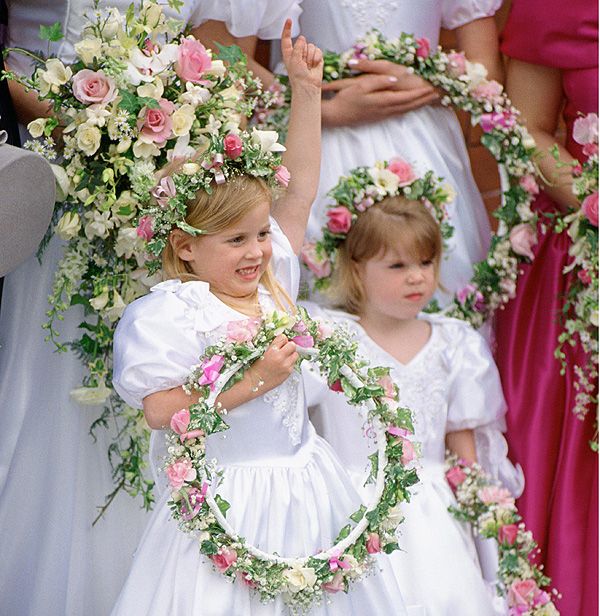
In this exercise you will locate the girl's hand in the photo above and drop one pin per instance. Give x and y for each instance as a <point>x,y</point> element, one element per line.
<point>275,366</point>
<point>303,60</point>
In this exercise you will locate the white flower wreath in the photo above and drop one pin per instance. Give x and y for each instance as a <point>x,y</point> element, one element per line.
<point>199,510</point>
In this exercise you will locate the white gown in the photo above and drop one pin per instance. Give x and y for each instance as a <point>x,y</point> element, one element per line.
<point>52,474</point>
<point>287,490</point>
<point>429,137</point>
<point>451,384</point>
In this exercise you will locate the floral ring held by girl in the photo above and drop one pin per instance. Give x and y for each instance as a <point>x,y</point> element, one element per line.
<point>193,479</point>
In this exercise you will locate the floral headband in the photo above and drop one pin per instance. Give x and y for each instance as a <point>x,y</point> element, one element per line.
<point>164,206</point>
<point>361,189</point>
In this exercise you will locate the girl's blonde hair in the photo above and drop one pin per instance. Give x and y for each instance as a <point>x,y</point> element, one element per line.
<point>212,213</point>
<point>395,222</point>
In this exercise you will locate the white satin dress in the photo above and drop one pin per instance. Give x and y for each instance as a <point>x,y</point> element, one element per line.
<point>288,491</point>
<point>451,384</point>
<point>429,137</point>
<point>53,475</point>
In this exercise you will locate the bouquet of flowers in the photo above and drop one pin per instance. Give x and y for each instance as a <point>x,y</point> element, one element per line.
<point>580,310</point>
<point>492,512</point>
<point>139,95</point>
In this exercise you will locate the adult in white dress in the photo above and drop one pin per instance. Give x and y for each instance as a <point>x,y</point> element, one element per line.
<point>52,474</point>
<point>451,384</point>
<point>287,490</point>
<point>430,136</point>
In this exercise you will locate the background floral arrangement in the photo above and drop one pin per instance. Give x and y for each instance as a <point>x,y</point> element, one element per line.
<point>491,511</point>
<point>139,95</point>
<point>200,511</point>
<point>580,311</point>
<point>359,190</point>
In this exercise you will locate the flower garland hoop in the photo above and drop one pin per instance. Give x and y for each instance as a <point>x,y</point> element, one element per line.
<point>466,87</point>
<point>199,510</point>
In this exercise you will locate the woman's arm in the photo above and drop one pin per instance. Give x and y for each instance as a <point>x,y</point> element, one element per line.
<point>304,64</point>
<point>462,443</point>
<point>536,91</point>
<point>27,105</point>
<point>479,40</point>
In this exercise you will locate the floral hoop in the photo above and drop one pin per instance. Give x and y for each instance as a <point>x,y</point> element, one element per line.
<point>491,511</point>
<point>357,192</point>
<point>467,88</point>
<point>200,511</point>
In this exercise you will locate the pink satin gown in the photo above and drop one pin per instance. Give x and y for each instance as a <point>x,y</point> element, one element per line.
<point>560,502</point>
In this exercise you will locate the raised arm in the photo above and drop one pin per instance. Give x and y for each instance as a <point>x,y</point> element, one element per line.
<point>304,64</point>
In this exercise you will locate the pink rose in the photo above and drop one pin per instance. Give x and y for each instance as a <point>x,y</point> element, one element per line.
<point>495,494</point>
<point>585,130</point>
<point>224,558</point>
<point>211,370</point>
<point>522,592</point>
<point>423,47</point>
<point>589,208</point>
<point>144,228</point>
<point>180,421</point>
<point>455,476</point>
<point>164,191</point>
<point>192,61</point>
<point>304,341</point>
<point>408,451</point>
<point>529,184</point>
<point>336,386</point>
<point>403,170</point>
<point>233,146</point>
<point>490,121</point>
<point>242,331</point>
<point>590,149</point>
<point>244,576</point>
<point>577,170</point>
<point>457,64</point>
<point>156,124</point>
<point>388,385</point>
<point>522,237</point>
<point>179,472</point>
<point>488,91</point>
<point>468,291</point>
<point>324,330</point>
<point>93,87</point>
<point>373,543</point>
<point>282,175</point>
<point>584,276</point>
<point>334,585</point>
<point>340,219</point>
<point>508,534</point>
<point>320,266</point>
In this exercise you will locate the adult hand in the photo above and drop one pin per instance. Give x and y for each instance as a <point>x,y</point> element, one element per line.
<point>383,90</point>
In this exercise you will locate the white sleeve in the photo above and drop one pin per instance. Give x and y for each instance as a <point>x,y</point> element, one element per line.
<point>262,18</point>
<point>154,347</point>
<point>284,262</point>
<point>476,402</point>
<point>456,13</point>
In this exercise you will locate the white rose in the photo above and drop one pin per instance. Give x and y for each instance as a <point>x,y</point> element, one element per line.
<point>91,395</point>
<point>128,242</point>
<point>88,49</point>
<point>385,180</point>
<point>183,119</point>
<point>36,128</point>
<point>99,224</point>
<point>267,139</point>
<point>116,309</point>
<point>68,226</point>
<point>190,168</point>
<point>88,138</point>
<point>195,95</point>
<point>476,74</point>
<point>55,75</point>
<point>298,578</point>
<point>153,89</point>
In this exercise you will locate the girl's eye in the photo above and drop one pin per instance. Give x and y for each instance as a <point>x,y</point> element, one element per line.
<point>236,240</point>
<point>427,262</point>
<point>397,266</point>
<point>263,235</point>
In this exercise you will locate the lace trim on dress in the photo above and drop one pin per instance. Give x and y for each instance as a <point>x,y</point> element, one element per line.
<point>284,399</point>
<point>369,13</point>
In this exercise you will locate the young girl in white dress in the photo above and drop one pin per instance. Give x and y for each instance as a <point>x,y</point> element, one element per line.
<point>386,271</point>
<point>288,492</point>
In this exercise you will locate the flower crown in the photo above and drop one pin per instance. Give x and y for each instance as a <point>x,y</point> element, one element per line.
<point>164,207</point>
<point>361,189</point>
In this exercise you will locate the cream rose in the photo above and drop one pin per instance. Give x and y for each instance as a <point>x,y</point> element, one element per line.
<point>88,49</point>
<point>183,119</point>
<point>88,138</point>
<point>298,578</point>
<point>55,75</point>
<point>68,226</point>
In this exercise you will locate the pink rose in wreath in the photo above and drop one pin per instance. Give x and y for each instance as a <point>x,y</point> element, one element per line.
<point>192,61</point>
<point>373,543</point>
<point>585,130</point>
<point>457,64</point>
<point>403,170</point>
<point>522,592</point>
<point>496,495</point>
<point>423,47</point>
<point>340,219</point>
<point>180,421</point>
<point>508,534</point>
<point>522,237</point>
<point>589,208</point>
<point>320,266</point>
<point>224,558</point>
<point>282,175</point>
<point>528,183</point>
<point>242,331</point>
<point>455,477</point>
<point>335,585</point>
<point>179,472</point>
<point>233,146</point>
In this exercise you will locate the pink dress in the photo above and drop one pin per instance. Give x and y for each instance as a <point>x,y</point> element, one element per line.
<point>560,502</point>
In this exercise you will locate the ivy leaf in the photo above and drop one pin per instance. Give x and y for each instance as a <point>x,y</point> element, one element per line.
<point>51,33</point>
<point>357,516</point>
<point>209,548</point>
<point>223,505</point>
<point>176,5</point>
<point>231,54</point>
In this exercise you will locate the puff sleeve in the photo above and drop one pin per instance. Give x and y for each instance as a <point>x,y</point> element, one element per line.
<point>262,18</point>
<point>456,13</point>
<point>476,402</point>
<point>154,347</point>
